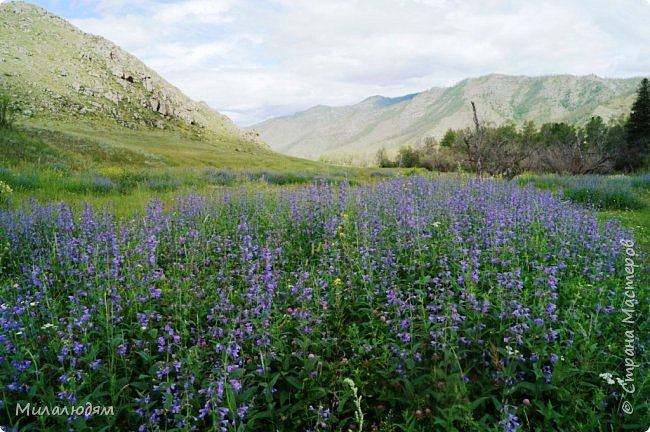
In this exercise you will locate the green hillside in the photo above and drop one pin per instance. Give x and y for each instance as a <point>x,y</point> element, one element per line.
<point>83,103</point>
<point>358,131</point>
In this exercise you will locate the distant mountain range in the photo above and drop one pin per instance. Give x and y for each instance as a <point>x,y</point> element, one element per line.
<point>360,130</point>
<point>89,89</point>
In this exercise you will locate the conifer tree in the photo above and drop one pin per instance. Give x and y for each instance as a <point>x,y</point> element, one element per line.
<point>637,130</point>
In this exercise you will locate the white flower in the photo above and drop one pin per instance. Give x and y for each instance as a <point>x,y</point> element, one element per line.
<point>511,352</point>
<point>607,377</point>
<point>436,224</point>
<point>47,326</point>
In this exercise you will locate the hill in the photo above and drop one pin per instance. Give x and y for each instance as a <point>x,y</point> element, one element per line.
<point>361,129</point>
<point>89,102</point>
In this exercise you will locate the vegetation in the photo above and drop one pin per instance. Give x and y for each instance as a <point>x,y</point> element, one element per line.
<point>593,148</point>
<point>6,111</point>
<point>602,192</point>
<point>5,192</point>
<point>412,304</point>
<point>637,131</point>
<point>361,130</point>
<point>157,261</point>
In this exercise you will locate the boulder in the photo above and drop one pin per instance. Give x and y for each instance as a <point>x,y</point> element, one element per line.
<point>147,83</point>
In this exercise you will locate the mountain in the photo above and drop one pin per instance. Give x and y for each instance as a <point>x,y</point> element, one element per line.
<point>70,86</point>
<point>360,130</point>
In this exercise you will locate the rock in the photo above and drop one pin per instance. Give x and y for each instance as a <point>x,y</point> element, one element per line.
<point>112,96</point>
<point>27,113</point>
<point>159,124</point>
<point>154,104</point>
<point>147,83</point>
<point>164,109</point>
<point>117,71</point>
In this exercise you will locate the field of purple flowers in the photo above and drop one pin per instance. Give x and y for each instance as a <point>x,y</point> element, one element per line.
<point>412,304</point>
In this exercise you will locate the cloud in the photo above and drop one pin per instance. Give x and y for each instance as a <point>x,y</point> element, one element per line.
<point>264,58</point>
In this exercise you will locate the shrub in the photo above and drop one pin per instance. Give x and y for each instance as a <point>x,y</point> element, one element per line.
<point>5,192</point>
<point>6,111</point>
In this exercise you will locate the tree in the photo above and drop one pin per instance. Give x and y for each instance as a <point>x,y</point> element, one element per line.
<point>449,139</point>
<point>473,147</point>
<point>599,153</point>
<point>6,111</point>
<point>560,148</point>
<point>637,130</point>
<point>408,157</point>
<point>382,159</point>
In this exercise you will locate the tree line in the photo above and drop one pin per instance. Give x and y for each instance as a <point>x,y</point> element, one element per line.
<point>596,147</point>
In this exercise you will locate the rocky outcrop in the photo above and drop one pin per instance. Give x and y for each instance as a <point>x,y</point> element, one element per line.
<point>90,76</point>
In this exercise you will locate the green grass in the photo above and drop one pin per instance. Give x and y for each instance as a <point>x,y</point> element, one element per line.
<point>616,192</point>
<point>109,165</point>
<point>624,198</point>
<point>108,144</point>
<point>639,220</point>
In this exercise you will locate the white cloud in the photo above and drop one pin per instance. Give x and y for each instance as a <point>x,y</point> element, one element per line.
<point>259,58</point>
<point>203,11</point>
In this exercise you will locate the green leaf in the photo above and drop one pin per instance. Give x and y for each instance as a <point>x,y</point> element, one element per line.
<point>295,382</point>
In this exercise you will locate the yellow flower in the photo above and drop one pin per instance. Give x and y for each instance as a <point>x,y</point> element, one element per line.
<point>338,282</point>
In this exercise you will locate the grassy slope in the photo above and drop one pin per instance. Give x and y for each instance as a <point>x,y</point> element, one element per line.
<point>106,144</point>
<point>64,83</point>
<point>58,161</point>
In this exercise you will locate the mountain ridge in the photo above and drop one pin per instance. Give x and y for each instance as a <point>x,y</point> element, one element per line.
<point>361,129</point>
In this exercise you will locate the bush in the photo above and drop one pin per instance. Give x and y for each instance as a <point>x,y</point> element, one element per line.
<point>6,111</point>
<point>5,192</point>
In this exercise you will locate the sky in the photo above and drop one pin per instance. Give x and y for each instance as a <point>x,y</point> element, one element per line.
<point>257,59</point>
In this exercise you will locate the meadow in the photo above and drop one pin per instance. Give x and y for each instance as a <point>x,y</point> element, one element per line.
<point>402,304</point>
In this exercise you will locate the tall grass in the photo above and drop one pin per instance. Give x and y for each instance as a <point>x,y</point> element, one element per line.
<point>604,192</point>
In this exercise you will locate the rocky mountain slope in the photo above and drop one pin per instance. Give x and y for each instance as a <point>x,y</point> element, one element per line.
<point>63,79</point>
<point>360,130</point>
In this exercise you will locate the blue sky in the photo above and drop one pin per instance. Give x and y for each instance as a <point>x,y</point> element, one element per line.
<point>256,59</point>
